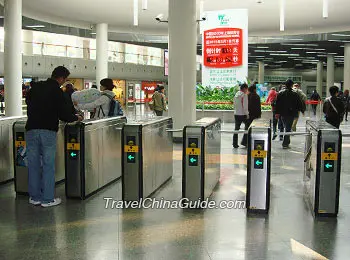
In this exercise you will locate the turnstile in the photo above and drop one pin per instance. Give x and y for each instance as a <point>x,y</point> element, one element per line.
<point>201,159</point>
<point>259,167</point>
<point>6,146</point>
<point>20,160</point>
<point>147,157</point>
<point>92,155</point>
<point>322,165</point>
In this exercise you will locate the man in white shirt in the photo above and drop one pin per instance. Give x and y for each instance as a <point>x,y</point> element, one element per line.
<point>241,113</point>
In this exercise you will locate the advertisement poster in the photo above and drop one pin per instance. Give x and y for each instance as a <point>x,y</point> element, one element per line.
<point>262,91</point>
<point>119,90</point>
<point>166,63</point>
<point>225,48</point>
<point>149,87</point>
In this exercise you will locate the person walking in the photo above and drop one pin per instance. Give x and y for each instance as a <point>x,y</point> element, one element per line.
<point>333,108</point>
<point>254,105</point>
<point>303,98</point>
<point>241,113</point>
<point>159,100</point>
<point>346,100</point>
<point>271,99</point>
<point>315,97</point>
<point>288,105</point>
<point>46,105</point>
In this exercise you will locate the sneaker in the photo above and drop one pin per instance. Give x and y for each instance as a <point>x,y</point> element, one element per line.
<point>55,202</point>
<point>285,146</point>
<point>34,202</point>
<point>274,137</point>
<point>235,146</point>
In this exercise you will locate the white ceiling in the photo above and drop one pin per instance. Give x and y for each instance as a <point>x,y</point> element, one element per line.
<point>302,16</point>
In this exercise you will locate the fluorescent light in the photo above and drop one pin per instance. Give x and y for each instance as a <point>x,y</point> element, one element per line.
<point>340,35</point>
<point>136,12</point>
<point>325,8</point>
<point>35,26</point>
<point>262,47</point>
<point>297,48</point>
<point>320,49</point>
<point>282,12</point>
<point>300,44</point>
<point>284,54</point>
<point>259,51</point>
<point>144,5</point>
<point>295,39</point>
<point>93,33</point>
<point>272,38</point>
<point>333,53</point>
<point>311,52</point>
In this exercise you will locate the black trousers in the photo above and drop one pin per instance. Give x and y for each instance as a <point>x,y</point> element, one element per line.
<point>314,108</point>
<point>274,122</point>
<point>238,122</point>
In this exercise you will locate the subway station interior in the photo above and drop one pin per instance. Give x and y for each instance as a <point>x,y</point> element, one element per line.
<point>172,183</point>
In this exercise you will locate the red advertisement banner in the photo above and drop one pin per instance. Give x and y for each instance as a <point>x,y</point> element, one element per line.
<point>223,47</point>
<point>148,86</point>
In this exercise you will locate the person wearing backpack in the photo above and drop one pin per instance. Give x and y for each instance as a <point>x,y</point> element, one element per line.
<point>333,108</point>
<point>159,102</point>
<point>105,105</point>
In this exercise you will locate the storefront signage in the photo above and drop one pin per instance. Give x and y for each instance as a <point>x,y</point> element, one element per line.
<point>225,48</point>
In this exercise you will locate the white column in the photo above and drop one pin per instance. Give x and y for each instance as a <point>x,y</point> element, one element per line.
<point>101,52</point>
<point>27,36</point>
<point>347,66</point>
<point>13,57</point>
<point>330,71</point>
<point>319,86</point>
<point>261,72</point>
<point>182,61</point>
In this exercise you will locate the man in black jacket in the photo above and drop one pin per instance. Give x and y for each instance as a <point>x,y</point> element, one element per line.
<point>288,105</point>
<point>45,107</point>
<point>333,108</point>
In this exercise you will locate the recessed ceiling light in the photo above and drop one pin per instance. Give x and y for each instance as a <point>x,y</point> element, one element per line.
<point>35,26</point>
<point>340,35</point>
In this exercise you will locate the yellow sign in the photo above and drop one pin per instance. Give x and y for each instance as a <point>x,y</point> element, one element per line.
<point>193,151</point>
<point>330,156</point>
<point>20,143</point>
<point>259,154</point>
<point>131,149</point>
<point>73,146</point>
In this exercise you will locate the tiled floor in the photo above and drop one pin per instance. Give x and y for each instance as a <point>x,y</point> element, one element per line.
<point>86,230</point>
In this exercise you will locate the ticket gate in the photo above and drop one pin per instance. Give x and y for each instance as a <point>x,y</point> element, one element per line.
<point>258,167</point>
<point>201,159</point>
<point>147,158</point>
<point>92,155</point>
<point>6,145</point>
<point>322,166</point>
<point>20,159</point>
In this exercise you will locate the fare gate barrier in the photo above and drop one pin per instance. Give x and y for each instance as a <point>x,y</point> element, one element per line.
<point>20,164</point>
<point>6,144</point>
<point>322,167</point>
<point>147,158</point>
<point>259,167</point>
<point>92,155</point>
<point>201,158</point>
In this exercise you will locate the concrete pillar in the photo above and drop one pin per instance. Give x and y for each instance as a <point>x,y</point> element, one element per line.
<point>347,66</point>
<point>86,49</point>
<point>13,57</point>
<point>27,42</point>
<point>261,72</point>
<point>330,71</point>
<point>101,52</point>
<point>182,61</point>
<point>319,86</point>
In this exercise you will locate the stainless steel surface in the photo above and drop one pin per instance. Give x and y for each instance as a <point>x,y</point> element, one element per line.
<point>259,178</point>
<point>200,180</point>
<point>100,156</point>
<point>321,187</point>
<point>22,171</point>
<point>6,147</point>
<point>153,162</point>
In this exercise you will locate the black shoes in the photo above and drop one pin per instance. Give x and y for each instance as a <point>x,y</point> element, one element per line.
<point>235,146</point>
<point>274,137</point>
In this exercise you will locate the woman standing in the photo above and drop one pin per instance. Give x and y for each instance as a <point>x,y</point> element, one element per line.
<point>159,100</point>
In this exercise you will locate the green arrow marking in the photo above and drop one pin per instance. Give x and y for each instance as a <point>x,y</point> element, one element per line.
<point>130,157</point>
<point>258,163</point>
<point>73,154</point>
<point>192,160</point>
<point>329,166</point>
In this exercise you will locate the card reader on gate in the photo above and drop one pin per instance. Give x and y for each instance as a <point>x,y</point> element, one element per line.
<point>192,151</point>
<point>329,157</point>
<point>260,154</point>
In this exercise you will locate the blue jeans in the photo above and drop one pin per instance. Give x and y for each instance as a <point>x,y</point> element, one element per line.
<point>287,123</point>
<point>41,154</point>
